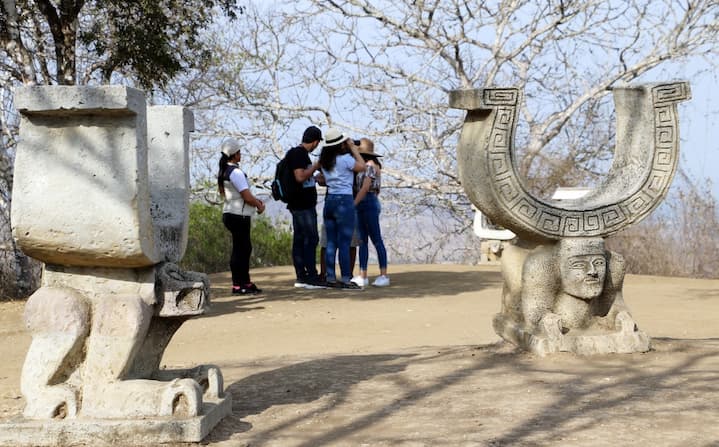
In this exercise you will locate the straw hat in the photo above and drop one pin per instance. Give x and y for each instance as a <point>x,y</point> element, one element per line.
<point>367,149</point>
<point>334,136</point>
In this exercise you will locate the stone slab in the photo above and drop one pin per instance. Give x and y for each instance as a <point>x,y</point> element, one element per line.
<point>62,101</point>
<point>81,191</point>
<point>620,342</point>
<point>168,145</point>
<point>22,432</point>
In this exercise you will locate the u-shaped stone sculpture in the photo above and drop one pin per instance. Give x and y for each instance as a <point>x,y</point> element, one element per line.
<point>562,288</point>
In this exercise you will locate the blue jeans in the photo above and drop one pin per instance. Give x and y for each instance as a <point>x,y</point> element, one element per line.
<point>368,211</point>
<point>304,244</point>
<point>339,216</point>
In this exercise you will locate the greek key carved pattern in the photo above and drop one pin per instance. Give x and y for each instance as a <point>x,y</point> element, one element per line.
<point>500,97</point>
<point>554,222</point>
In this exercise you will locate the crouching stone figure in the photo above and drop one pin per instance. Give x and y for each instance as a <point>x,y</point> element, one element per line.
<point>566,297</point>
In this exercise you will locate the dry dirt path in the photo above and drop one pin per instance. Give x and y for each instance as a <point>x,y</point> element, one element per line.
<point>419,364</point>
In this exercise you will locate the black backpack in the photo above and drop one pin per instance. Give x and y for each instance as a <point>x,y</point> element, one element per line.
<point>284,186</point>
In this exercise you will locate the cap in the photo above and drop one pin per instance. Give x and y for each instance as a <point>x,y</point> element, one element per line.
<point>230,147</point>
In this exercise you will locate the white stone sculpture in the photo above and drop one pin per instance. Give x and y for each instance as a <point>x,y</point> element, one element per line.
<point>101,196</point>
<point>562,288</point>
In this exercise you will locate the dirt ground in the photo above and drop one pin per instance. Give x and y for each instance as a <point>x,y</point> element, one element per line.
<point>418,364</point>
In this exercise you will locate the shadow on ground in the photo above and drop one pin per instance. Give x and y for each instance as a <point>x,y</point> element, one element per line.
<point>277,287</point>
<point>487,395</point>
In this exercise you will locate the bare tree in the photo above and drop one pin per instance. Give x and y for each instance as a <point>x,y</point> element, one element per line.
<point>384,69</point>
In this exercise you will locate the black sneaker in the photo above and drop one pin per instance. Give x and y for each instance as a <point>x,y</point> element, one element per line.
<point>349,286</point>
<point>315,284</point>
<point>250,289</point>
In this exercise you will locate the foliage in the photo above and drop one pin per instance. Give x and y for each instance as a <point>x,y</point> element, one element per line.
<point>146,41</point>
<point>271,243</point>
<point>209,243</point>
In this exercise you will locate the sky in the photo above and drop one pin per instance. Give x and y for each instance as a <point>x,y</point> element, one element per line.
<point>699,130</point>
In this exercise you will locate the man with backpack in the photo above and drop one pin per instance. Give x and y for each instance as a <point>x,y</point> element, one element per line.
<point>303,206</point>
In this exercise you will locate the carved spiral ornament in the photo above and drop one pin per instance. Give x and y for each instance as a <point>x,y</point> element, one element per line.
<point>645,160</point>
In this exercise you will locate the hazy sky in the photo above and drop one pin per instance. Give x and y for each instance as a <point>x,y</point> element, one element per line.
<point>699,121</point>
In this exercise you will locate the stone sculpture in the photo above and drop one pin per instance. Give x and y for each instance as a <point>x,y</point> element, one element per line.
<point>562,288</point>
<point>101,196</point>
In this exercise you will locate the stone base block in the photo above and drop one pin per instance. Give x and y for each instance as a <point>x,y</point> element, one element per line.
<point>105,432</point>
<point>622,341</point>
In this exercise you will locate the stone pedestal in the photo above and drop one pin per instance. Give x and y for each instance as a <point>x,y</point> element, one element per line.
<point>22,432</point>
<point>101,196</point>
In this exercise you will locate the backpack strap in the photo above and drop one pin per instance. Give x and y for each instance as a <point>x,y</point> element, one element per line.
<point>228,171</point>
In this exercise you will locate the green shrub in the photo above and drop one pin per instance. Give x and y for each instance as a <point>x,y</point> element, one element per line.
<point>209,243</point>
<point>271,245</point>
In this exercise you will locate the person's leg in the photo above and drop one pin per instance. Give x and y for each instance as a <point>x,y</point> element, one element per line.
<point>305,257</point>
<point>331,230</point>
<point>323,264</point>
<point>353,260</point>
<point>311,245</point>
<point>375,233</point>
<point>323,252</point>
<point>345,228</point>
<point>364,237</point>
<point>297,244</point>
<point>244,250</point>
<point>230,223</point>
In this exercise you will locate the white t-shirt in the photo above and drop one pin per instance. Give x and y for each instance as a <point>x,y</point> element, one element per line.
<point>339,180</point>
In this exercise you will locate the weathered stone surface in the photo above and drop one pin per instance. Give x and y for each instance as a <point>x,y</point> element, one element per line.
<point>645,160</point>
<point>112,432</point>
<point>101,195</point>
<point>562,288</point>
<point>168,142</point>
<point>81,190</point>
<point>101,179</point>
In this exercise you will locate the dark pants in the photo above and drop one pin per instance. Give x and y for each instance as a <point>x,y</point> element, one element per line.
<point>304,244</point>
<point>239,226</point>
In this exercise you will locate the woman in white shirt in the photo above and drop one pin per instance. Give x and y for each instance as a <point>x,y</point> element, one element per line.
<point>240,204</point>
<point>339,160</point>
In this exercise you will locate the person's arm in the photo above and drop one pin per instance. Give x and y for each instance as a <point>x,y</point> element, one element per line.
<point>303,174</point>
<point>252,200</point>
<point>359,165</point>
<point>378,173</point>
<point>366,183</point>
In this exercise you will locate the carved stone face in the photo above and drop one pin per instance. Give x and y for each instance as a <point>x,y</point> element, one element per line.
<point>583,275</point>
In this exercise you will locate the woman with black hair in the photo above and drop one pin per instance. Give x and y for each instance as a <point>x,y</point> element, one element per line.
<point>339,159</point>
<point>239,207</point>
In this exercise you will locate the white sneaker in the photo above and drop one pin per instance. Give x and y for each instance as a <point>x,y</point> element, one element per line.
<point>381,281</point>
<point>300,285</point>
<point>360,281</point>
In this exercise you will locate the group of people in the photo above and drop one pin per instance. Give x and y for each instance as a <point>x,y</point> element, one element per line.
<point>351,171</point>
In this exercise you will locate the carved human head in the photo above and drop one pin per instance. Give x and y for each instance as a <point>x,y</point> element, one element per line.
<point>582,266</point>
